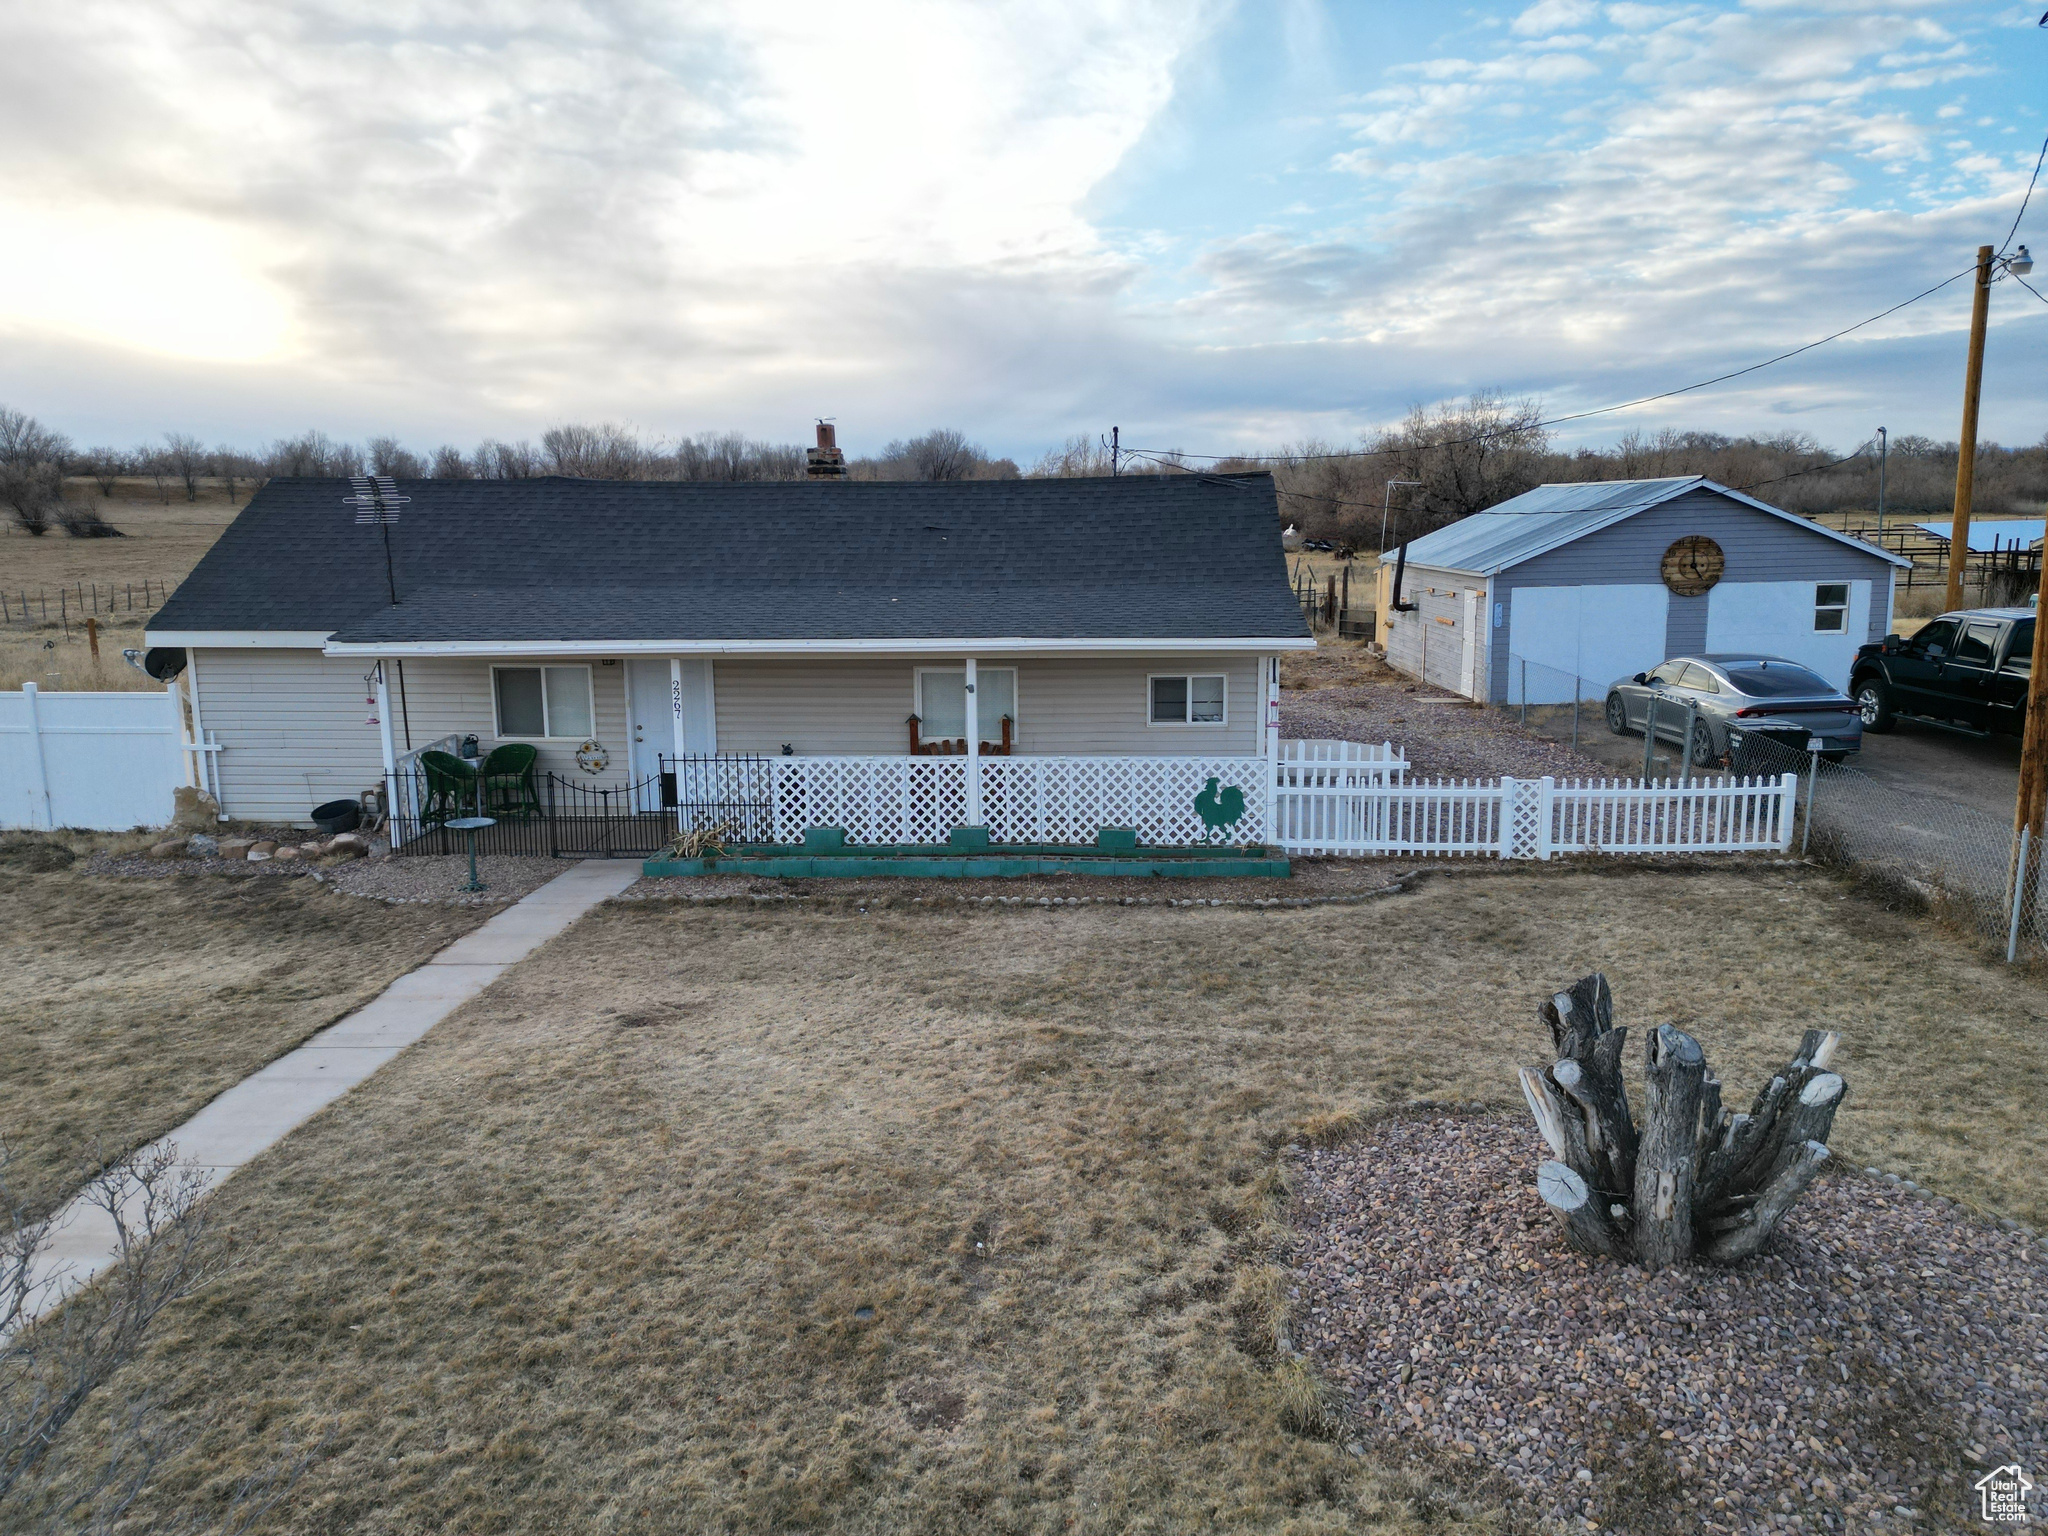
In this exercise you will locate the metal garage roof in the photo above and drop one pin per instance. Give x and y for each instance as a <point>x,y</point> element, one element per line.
<point>1552,516</point>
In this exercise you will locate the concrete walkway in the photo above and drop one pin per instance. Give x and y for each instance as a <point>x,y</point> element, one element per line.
<point>263,1109</point>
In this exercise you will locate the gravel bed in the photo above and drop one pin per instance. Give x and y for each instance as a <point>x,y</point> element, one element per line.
<point>1313,880</point>
<point>1859,1376</point>
<point>437,877</point>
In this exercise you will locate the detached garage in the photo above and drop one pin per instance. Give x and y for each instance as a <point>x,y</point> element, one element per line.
<point>1602,579</point>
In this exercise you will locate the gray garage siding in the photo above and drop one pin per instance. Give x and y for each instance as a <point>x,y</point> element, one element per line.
<point>1758,547</point>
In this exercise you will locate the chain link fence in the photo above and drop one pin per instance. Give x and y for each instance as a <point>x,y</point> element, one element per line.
<point>1954,859</point>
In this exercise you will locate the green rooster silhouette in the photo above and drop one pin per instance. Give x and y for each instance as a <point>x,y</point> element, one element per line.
<point>1219,810</point>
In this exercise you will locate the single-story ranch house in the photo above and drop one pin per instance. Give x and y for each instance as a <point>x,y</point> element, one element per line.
<point>1084,652</point>
<point>1602,579</point>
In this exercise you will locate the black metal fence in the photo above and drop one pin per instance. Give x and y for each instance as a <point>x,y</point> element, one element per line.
<point>565,819</point>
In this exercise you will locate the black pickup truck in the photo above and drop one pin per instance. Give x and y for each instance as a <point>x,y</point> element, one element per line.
<point>1967,671</point>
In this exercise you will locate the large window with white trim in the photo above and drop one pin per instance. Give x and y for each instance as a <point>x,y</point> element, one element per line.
<point>542,703</point>
<point>942,701</point>
<point>1197,698</point>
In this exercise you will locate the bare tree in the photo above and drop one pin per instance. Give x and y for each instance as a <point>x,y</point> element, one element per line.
<point>732,456</point>
<point>604,452</point>
<point>943,454</point>
<point>506,461</point>
<point>451,463</point>
<point>186,457</point>
<point>105,465</point>
<point>32,460</point>
<point>232,465</point>
<point>389,457</point>
<point>1077,458</point>
<point>313,454</point>
<point>59,1343</point>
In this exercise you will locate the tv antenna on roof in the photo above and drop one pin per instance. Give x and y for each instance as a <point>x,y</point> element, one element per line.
<point>377,501</point>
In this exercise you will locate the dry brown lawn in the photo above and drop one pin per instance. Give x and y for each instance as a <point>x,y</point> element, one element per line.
<point>162,545</point>
<point>935,1219</point>
<point>129,1003</point>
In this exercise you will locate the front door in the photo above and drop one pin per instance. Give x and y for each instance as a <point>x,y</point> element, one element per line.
<point>652,704</point>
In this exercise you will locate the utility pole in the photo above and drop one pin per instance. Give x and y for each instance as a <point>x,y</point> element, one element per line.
<point>1884,452</point>
<point>1966,458</point>
<point>1115,449</point>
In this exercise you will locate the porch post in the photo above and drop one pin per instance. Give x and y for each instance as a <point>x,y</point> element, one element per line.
<point>1269,669</point>
<point>390,753</point>
<point>675,711</point>
<point>973,749</point>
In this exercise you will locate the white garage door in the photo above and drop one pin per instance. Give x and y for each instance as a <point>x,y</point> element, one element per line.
<point>1593,634</point>
<point>1776,618</point>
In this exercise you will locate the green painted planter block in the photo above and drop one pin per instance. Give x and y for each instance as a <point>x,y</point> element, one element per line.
<point>824,839</point>
<point>967,837</point>
<point>1118,839</point>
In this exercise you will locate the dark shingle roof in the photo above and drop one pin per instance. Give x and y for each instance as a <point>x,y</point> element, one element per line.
<point>1137,557</point>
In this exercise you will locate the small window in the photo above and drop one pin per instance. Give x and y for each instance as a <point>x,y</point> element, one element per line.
<point>1976,645</point>
<point>1193,700</point>
<point>1831,607</point>
<point>540,702</point>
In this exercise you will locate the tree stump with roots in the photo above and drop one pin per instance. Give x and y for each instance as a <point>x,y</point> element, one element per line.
<point>1696,1181</point>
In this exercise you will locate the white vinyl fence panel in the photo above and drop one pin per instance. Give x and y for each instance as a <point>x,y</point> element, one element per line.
<point>103,761</point>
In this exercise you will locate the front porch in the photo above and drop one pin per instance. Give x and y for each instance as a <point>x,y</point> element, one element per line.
<point>901,801</point>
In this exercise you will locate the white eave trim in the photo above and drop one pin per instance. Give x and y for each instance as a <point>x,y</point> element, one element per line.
<point>240,639</point>
<point>991,646</point>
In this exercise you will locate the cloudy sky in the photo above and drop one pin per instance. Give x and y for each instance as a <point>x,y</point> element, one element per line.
<point>1216,225</point>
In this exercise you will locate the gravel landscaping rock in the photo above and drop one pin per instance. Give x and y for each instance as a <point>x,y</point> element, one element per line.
<point>1858,1376</point>
<point>436,877</point>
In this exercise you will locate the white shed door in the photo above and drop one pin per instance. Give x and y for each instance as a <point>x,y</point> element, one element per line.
<point>1594,634</point>
<point>1776,618</point>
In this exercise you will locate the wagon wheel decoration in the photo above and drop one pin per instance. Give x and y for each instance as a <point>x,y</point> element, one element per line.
<point>592,757</point>
<point>1220,810</point>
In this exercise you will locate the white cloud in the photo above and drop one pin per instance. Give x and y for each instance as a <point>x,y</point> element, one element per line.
<point>1555,16</point>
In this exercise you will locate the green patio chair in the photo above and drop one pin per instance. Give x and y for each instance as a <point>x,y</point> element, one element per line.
<point>508,781</point>
<point>451,787</point>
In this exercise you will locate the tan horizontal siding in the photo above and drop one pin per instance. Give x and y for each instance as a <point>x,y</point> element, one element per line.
<point>1066,705</point>
<point>291,724</point>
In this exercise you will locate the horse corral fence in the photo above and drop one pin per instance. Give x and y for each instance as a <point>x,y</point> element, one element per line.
<point>1315,797</point>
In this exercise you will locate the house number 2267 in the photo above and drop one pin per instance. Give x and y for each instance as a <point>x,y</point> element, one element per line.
<point>675,697</point>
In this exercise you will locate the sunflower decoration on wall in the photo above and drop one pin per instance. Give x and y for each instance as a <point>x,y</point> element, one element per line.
<point>592,757</point>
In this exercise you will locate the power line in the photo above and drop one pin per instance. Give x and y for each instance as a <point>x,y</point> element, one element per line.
<point>2026,199</point>
<point>1604,410</point>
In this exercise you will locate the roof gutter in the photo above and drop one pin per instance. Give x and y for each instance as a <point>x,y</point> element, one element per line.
<point>990,645</point>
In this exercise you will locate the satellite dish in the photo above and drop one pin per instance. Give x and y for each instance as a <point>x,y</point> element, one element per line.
<point>164,662</point>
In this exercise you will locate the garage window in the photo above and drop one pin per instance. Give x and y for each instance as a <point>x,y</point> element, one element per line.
<point>1831,607</point>
<point>1195,700</point>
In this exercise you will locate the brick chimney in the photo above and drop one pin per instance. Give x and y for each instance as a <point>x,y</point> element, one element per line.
<point>825,462</point>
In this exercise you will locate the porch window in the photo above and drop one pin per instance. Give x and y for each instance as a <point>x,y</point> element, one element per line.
<point>942,701</point>
<point>540,702</point>
<point>1831,607</point>
<point>1196,699</point>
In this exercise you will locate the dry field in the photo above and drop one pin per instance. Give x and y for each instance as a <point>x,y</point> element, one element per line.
<point>129,1003</point>
<point>909,1219</point>
<point>163,543</point>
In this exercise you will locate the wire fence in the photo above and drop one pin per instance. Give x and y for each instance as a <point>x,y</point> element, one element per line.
<point>1957,859</point>
<point>81,600</point>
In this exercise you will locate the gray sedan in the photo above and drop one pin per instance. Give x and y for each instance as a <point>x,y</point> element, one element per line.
<point>1743,703</point>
